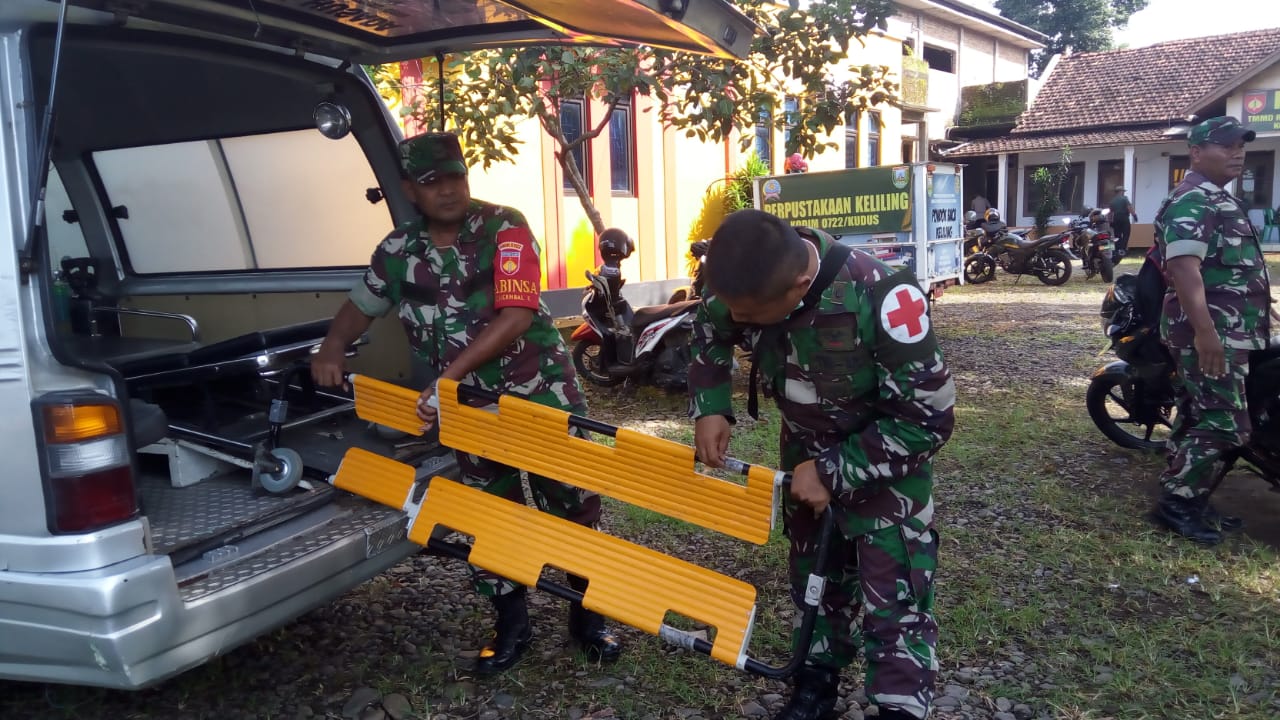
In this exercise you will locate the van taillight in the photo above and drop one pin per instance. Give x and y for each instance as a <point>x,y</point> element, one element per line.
<point>87,466</point>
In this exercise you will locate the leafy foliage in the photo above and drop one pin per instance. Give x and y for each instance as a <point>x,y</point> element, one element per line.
<point>998,102</point>
<point>1048,188</point>
<point>1075,25</point>
<point>803,53</point>
<point>739,192</point>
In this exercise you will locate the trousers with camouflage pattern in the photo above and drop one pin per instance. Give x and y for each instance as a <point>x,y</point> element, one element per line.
<point>888,575</point>
<point>1211,419</point>
<point>550,496</point>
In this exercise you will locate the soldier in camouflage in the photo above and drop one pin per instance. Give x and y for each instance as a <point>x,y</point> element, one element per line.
<point>464,278</point>
<point>866,400</point>
<point>1216,309</point>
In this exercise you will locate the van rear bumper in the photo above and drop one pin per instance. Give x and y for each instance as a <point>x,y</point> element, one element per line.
<point>130,625</point>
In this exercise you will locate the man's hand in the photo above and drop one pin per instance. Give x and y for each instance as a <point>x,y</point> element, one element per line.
<point>1212,356</point>
<point>329,367</point>
<point>426,413</point>
<point>1275,314</point>
<point>807,487</point>
<point>711,439</point>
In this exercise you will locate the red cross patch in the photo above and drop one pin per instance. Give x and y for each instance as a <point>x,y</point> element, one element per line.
<point>904,314</point>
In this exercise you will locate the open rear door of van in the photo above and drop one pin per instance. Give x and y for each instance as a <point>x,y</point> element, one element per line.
<point>379,31</point>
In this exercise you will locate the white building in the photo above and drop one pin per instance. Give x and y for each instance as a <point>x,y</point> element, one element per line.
<point>1124,116</point>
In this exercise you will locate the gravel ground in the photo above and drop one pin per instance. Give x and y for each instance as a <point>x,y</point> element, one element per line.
<point>400,645</point>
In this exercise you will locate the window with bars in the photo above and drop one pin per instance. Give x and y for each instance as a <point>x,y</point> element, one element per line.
<point>573,120</point>
<point>873,139</point>
<point>851,139</point>
<point>622,150</point>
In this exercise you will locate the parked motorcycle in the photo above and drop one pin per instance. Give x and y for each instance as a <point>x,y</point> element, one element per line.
<point>1131,400</point>
<point>616,343</point>
<point>1018,255</point>
<point>981,231</point>
<point>692,291</point>
<point>1091,243</point>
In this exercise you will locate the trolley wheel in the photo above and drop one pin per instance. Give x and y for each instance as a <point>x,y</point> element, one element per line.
<point>290,473</point>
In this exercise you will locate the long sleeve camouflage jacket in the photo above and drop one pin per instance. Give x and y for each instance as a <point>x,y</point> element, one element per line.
<point>859,380</point>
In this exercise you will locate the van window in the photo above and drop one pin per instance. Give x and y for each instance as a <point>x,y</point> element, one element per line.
<point>262,202</point>
<point>65,238</point>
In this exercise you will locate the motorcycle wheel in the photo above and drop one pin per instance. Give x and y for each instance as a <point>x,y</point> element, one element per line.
<point>979,269</point>
<point>1056,268</point>
<point>1106,269</point>
<point>1111,401</point>
<point>588,359</point>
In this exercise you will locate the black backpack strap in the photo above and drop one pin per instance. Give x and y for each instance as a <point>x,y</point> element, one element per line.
<point>774,336</point>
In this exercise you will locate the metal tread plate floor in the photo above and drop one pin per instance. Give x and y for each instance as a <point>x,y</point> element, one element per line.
<point>182,516</point>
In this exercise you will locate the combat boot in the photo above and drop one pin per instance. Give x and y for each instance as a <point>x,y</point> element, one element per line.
<point>1215,519</point>
<point>1185,516</point>
<point>511,634</point>
<point>891,713</point>
<point>814,695</point>
<point>588,630</point>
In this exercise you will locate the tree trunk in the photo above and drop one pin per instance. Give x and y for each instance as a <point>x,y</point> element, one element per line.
<point>564,154</point>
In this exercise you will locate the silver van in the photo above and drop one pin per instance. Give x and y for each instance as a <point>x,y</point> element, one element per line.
<point>189,188</point>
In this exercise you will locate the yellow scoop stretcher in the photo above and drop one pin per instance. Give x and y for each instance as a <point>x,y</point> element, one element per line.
<point>630,583</point>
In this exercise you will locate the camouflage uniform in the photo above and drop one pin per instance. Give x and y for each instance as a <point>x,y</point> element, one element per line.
<point>864,391</point>
<point>1202,220</point>
<point>445,297</point>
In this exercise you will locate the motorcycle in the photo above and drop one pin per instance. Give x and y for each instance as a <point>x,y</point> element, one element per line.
<point>1131,400</point>
<point>1090,241</point>
<point>981,231</point>
<point>616,343</point>
<point>1018,255</point>
<point>692,291</point>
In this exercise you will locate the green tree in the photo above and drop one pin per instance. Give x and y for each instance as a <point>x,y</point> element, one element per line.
<point>804,53</point>
<point>1047,185</point>
<point>1075,25</point>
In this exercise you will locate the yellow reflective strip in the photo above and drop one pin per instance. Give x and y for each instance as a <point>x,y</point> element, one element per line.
<point>387,404</point>
<point>639,469</point>
<point>629,583</point>
<point>373,476</point>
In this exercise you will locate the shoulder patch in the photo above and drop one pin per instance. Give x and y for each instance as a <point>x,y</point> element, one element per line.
<point>904,331</point>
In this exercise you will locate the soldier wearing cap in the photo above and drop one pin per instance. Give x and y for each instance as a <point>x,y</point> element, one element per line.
<point>1121,212</point>
<point>1216,309</point>
<point>464,279</point>
<point>844,346</point>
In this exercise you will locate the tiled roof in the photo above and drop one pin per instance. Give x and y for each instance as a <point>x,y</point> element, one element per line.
<point>1055,141</point>
<point>1143,85</point>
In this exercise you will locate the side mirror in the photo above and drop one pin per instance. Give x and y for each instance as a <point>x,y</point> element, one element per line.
<point>332,120</point>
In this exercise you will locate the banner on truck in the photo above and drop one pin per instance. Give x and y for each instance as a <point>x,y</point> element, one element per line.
<point>942,202</point>
<point>871,200</point>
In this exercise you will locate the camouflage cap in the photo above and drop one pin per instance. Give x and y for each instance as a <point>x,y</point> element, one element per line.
<point>430,155</point>
<point>1223,130</point>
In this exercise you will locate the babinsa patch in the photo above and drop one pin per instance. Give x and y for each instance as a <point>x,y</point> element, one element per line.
<point>509,257</point>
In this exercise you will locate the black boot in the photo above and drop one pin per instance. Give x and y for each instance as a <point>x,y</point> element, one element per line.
<point>1215,519</point>
<point>511,634</point>
<point>891,713</point>
<point>814,695</point>
<point>1186,518</point>
<point>588,630</point>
